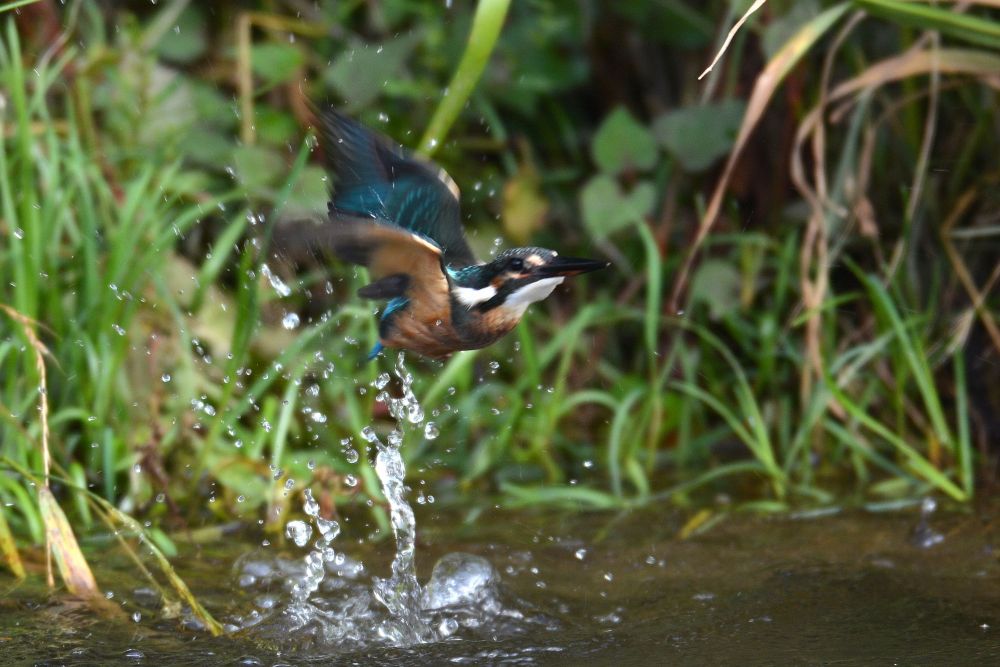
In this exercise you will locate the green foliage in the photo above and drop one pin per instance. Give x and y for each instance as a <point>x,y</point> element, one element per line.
<point>607,208</point>
<point>699,135</point>
<point>361,73</point>
<point>622,144</point>
<point>132,214</point>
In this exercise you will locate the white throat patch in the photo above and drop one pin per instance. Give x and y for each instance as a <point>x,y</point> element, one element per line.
<point>470,297</point>
<point>519,301</point>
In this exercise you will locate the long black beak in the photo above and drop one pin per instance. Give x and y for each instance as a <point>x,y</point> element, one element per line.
<point>570,266</point>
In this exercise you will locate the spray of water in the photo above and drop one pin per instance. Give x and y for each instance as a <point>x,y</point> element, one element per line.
<point>401,592</point>
<point>328,601</point>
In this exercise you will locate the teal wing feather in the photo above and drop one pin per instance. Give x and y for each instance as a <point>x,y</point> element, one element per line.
<point>376,179</point>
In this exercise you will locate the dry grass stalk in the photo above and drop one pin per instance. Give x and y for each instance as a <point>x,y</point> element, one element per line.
<point>59,538</point>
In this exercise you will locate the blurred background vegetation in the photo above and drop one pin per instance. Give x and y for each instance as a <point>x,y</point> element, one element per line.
<point>801,310</point>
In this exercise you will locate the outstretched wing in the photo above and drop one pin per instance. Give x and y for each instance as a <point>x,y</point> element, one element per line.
<point>376,179</point>
<point>400,263</point>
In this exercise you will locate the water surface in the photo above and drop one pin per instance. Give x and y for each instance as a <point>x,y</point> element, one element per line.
<point>854,588</point>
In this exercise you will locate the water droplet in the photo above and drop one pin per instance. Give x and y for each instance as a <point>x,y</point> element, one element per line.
<point>318,417</point>
<point>351,481</point>
<point>310,507</point>
<point>327,528</point>
<point>276,283</point>
<point>580,554</point>
<point>382,380</point>
<point>351,455</point>
<point>165,377</point>
<point>431,430</point>
<point>298,532</point>
<point>447,626</point>
<point>19,233</point>
<point>290,321</point>
<point>136,617</point>
<point>118,329</point>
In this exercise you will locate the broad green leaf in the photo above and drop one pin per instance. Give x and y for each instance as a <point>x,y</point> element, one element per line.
<point>276,62</point>
<point>717,284</point>
<point>171,105</point>
<point>258,166</point>
<point>185,41</point>
<point>274,126</point>
<point>207,146</point>
<point>309,195</point>
<point>211,106</point>
<point>698,136</point>
<point>606,208</point>
<point>623,143</point>
<point>361,73</point>
<point>244,478</point>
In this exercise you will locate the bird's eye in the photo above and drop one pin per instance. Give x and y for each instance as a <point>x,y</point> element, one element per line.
<point>516,264</point>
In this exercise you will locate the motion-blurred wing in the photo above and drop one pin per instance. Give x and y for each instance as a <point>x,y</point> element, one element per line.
<point>400,263</point>
<point>376,179</point>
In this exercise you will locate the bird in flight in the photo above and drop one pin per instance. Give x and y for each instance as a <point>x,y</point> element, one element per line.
<point>398,215</point>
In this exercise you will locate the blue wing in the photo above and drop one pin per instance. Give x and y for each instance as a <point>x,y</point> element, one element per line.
<point>376,179</point>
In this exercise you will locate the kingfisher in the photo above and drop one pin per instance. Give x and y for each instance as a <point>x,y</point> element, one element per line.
<point>398,215</point>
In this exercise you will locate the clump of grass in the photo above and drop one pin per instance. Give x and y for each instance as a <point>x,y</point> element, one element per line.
<point>773,374</point>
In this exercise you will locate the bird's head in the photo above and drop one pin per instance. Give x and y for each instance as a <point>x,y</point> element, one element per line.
<point>516,278</point>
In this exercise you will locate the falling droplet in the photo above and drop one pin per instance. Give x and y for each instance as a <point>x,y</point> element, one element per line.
<point>311,507</point>
<point>431,430</point>
<point>277,283</point>
<point>298,532</point>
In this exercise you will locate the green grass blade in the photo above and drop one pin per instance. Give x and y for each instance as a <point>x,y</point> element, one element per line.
<point>486,26</point>
<point>918,463</point>
<point>965,27</point>
<point>916,359</point>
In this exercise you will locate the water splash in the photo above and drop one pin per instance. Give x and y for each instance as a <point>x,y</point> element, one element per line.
<point>401,592</point>
<point>322,599</point>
